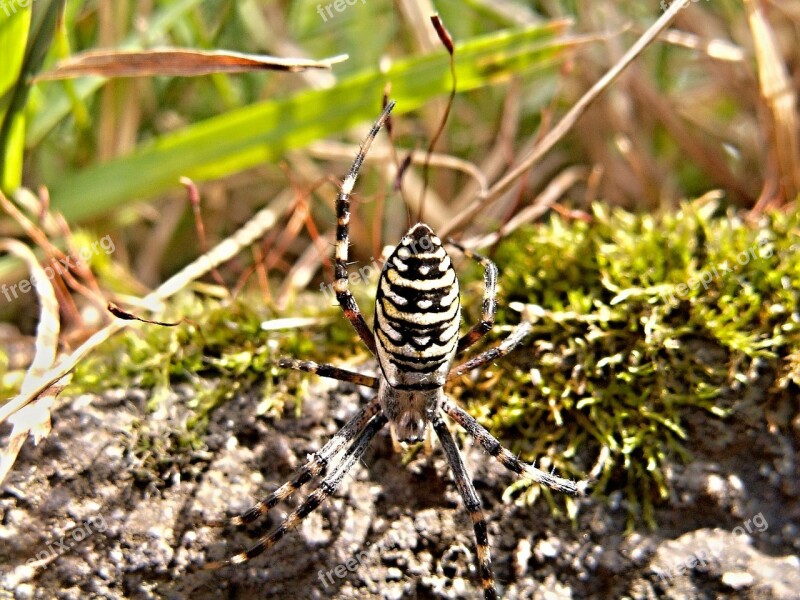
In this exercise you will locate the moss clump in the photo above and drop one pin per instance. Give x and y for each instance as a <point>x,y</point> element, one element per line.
<point>220,350</point>
<point>641,319</point>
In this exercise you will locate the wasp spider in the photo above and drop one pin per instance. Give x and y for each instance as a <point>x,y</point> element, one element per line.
<point>416,340</point>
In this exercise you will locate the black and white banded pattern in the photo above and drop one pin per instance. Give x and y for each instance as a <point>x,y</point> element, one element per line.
<point>417,312</point>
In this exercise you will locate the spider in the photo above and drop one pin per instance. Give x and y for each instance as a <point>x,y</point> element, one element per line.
<point>416,340</point>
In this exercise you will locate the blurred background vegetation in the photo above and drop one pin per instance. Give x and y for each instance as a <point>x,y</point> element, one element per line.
<point>689,116</point>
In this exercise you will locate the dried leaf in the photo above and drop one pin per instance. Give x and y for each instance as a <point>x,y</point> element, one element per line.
<point>34,418</point>
<point>49,325</point>
<point>176,62</point>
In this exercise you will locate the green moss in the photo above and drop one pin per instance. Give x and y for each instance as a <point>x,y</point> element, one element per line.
<point>220,350</point>
<point>642,319</point>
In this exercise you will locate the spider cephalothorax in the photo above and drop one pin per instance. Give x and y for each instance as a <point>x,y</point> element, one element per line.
<point>416,341</point>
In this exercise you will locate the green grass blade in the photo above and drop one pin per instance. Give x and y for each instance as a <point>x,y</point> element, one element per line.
<point>26,33</point>
<point>14,28</point>
<point>262,132</point>
<point>13,39</point>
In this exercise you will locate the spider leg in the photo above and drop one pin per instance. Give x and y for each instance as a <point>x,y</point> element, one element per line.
<point>472,502</point>
<point>506,458</point>
<point>507,345</point>
<point>331,371</point>
<point>489,299</point>
<point>317,465</point>
<point>340,283</point>
<point>314,499</point>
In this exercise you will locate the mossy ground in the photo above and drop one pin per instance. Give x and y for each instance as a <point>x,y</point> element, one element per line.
<point>640,319</point>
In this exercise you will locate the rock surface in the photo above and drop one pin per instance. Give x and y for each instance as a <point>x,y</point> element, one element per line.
<point>111,505</point>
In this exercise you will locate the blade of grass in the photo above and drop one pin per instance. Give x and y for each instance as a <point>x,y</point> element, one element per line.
<point>13,39</point>
<point>41,19</point>
<point>260,133</point>
<point>780,98</point>
<point>243,237</point>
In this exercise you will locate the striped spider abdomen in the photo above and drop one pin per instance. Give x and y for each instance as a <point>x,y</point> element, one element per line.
<point>417,313</point>
<point>417,317</point>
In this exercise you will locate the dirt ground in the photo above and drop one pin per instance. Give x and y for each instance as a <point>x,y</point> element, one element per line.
<point>87,515</point>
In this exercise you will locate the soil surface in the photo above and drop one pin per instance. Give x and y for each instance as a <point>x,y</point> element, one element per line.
<point>111,505</point>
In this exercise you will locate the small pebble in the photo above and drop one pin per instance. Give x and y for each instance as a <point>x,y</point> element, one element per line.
<point>738,580</point>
